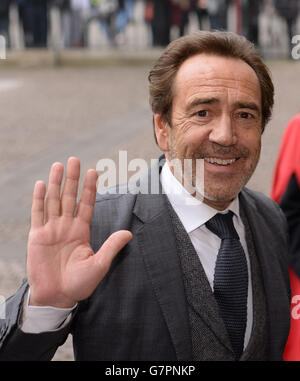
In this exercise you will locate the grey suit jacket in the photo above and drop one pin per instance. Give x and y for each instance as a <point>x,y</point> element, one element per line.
<point>139,310</point>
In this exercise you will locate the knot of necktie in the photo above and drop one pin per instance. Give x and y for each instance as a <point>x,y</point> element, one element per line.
<point>222,226</point>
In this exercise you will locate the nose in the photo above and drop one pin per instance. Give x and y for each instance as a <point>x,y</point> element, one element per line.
<point>223,132</point>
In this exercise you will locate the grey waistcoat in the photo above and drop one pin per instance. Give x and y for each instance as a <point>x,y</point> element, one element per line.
<point>210,341</point>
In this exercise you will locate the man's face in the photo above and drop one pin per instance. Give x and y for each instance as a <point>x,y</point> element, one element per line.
<point>216,116</point>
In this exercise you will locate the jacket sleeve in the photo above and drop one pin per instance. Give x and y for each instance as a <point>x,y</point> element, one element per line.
<point>15,345</point>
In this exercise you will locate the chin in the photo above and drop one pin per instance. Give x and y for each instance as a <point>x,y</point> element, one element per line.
<point>220,197</point>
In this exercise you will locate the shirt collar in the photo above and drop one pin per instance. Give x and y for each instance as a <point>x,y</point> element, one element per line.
<point>192,212</point>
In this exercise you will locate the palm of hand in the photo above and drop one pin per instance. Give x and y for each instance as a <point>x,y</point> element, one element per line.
<point>62,268</point>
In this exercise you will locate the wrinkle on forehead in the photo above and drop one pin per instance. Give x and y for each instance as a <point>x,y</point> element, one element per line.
<point>221,86</point>
<point>230,94</point>
<point>229,83</point>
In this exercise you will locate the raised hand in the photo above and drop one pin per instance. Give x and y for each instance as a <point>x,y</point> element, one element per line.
<point>62,268</point>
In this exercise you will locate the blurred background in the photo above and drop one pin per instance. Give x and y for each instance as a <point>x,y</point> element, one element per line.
<point>141,24</point>
<point>74,83</point>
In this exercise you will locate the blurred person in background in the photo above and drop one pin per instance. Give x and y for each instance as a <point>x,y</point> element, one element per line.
<point>286,192</point>
<point>149,15</point>
<point>250,15</point>
<point>79,12</point>
<point>288,10</point>
<point>105,11</point>
<point>180,14</point>
<point>34,16</point>
<point>217,13</point>
<point>64,7</point>
<point>200,7</point>
<point>123,17</point>
<point>4,20</point>
<point>161,22</point>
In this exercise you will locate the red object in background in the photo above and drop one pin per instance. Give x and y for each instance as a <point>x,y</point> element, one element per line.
<point>288,163</point>
<point>149,11</point>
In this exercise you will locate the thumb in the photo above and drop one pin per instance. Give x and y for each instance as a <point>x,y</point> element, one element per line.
<point>111,248</point>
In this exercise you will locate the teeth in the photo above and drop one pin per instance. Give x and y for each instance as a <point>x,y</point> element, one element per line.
<point>213,160</point>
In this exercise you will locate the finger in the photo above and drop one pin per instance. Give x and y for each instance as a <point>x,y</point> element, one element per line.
<point>37,209</point>
<point>110,249</point>
<point>53,193</point>
<point>70,190</point>
<point>88,196</point>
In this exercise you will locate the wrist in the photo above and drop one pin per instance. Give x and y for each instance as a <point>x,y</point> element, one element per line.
<point>35,302</point>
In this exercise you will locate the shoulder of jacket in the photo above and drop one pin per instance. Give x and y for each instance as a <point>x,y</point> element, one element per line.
<point>263,203</point>
<point>113,193</point>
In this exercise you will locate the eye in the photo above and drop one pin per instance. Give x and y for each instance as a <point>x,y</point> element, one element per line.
<point>202,113</point>
<point>245,115</point>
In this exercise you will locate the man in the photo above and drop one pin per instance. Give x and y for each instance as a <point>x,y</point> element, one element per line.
<point>198,276</point>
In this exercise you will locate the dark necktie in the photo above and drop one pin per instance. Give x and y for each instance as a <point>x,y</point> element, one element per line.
<point>231,280</point>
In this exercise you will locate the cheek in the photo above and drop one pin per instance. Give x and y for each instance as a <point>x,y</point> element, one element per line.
<point>185,145</point>
<point>255,147</point>
<point>251,140</point>
<point>187,136</point>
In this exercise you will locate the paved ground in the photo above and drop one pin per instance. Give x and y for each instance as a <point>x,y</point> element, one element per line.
<point>49,115</point>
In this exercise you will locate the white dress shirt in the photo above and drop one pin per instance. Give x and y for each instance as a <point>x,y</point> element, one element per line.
<point>38,319</point>
<point>193,215</point>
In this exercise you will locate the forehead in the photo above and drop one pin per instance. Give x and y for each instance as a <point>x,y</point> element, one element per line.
<point>216,74</point>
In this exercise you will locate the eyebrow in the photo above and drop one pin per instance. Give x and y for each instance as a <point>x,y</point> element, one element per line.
<point>250,105</point>
<point>202,101</point>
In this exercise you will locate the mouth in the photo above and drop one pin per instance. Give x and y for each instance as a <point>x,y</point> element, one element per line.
<point>221,162</point>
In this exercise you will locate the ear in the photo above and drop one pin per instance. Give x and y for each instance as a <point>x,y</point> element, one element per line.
<point>162,132</point>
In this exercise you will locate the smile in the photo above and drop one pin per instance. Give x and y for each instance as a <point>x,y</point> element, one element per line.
<point>214,160</point>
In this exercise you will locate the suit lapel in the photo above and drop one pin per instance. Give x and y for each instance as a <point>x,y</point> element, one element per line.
<point>157,245</point>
